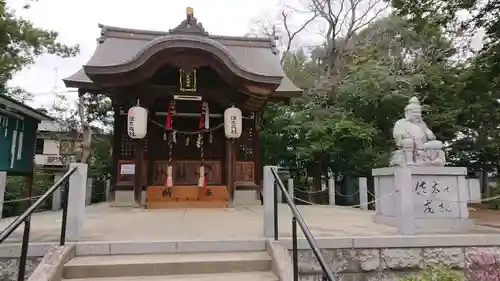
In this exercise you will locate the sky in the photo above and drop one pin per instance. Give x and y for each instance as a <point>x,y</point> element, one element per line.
<point>77,21</point>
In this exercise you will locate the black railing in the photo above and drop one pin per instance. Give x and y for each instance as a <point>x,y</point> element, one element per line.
<point>26,218</point>
<point>297,219</point>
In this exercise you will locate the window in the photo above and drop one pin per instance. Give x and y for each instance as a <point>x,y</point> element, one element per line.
<point>39,146</point>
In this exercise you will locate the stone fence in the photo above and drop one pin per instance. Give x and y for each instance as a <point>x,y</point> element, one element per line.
<point>389,258</point>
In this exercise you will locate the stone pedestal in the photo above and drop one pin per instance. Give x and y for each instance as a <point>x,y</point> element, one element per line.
<point>268,194</point>
<point>422,199</point>
<point>88,194</point>
<point>246,197</point>
<point>57,195</point>
<point>76,202</point>
<point>125,198</point>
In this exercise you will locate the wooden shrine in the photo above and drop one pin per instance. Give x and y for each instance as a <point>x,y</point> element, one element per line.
<point>186,79</point>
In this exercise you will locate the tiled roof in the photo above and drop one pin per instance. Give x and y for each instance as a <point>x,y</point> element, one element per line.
<point>118,46</point>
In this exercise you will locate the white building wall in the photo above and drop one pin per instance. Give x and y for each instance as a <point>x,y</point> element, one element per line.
<point>51,147</point>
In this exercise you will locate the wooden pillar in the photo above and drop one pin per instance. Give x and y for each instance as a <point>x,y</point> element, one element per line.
<point>257,151</point>
<point>30,178</point>
<point>138,161</point>
<point>116,147</point>
<point>153,140</point>
<point>230,169</point>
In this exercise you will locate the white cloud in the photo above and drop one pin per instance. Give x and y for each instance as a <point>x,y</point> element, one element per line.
<point>77,20</point>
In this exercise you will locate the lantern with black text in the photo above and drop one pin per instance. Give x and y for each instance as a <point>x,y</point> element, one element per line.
<point>232,122</point>
<point>137,122</point>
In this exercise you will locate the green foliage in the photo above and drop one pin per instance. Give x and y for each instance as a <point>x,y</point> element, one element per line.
<point>435,273</point>
<point>16,190</point>
<point>100,166</point>
<point>20,44</point>
<point>473,86</point>
<point>343,121</point>
<point>346,127</point>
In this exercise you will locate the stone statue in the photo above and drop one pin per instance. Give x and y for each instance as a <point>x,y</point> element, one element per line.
<point>416,144</point>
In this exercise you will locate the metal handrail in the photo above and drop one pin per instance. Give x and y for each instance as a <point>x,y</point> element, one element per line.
<point>297,218</point>
<point>26,218</point>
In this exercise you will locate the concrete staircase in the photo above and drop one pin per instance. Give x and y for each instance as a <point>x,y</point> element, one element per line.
<point>207,266</point>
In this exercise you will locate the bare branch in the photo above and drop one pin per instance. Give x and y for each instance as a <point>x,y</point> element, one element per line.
<point>362,22</point>
<point>291,35</point>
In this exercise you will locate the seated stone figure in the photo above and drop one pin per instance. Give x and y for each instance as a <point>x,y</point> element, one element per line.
<point>411,134</point>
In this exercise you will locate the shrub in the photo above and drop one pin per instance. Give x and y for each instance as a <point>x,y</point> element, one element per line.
<point>436,273</point>
<point>483,266</point>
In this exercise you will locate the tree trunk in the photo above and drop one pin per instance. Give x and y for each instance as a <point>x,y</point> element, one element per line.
<point>86,131</point>
<point>316,180</point>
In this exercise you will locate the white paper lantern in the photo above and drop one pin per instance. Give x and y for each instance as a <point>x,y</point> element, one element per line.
<point>137,122</point>
<point>233,122</point>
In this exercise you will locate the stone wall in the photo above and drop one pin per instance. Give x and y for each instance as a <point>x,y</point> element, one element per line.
<point>9,267</point>
<point>383,264</point>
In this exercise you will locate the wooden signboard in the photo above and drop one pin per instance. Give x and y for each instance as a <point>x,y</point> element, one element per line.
<point>126,172</point>
<point>17,140</point>
<point>187,197</point>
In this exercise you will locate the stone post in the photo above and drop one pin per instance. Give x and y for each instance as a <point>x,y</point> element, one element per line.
<point>406,218</point>
<point>363,193</point>
<point>331,191</point>
<point>290,188</point>
<point>56,196</point>
<point>88,197</point>
<point>268,194</point>
<point>76,202</point>
<point>3,187</point>
<point>108,190</point>
<point>280,196</point>
<point>463,197</point>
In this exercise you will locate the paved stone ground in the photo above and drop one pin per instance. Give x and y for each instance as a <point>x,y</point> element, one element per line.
<point>103,223</point>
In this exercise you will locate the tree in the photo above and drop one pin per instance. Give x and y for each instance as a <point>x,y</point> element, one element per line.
<point>344,125</point>
<point>478,117</point>
<point>20,44</point>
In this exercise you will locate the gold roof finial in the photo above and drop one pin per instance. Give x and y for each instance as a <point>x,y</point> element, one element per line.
<point>189,12</point>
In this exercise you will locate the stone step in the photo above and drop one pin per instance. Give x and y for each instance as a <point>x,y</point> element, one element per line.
<point>166,264</point>
<point>240,276</point>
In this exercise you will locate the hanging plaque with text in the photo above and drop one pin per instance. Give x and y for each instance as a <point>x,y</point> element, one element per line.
<point>187,80</point>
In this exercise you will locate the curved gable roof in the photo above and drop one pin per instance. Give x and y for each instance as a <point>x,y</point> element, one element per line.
<point>144,52</point>
<point>255,57</point>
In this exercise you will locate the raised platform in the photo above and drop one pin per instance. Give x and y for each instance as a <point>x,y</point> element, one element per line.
<point>104,223</point>
<point>423,199</point>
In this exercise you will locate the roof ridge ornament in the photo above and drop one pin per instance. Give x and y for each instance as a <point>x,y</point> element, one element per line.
<point>190,25</point>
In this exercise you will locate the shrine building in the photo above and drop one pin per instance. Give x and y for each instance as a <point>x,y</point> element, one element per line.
<point>172,93</point>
